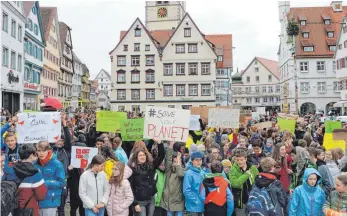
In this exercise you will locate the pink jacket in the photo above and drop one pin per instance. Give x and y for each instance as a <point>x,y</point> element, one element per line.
<point>120,197</point>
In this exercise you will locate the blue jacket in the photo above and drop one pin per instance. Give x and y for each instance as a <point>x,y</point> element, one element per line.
<point>192,181</point>
<point>308,200</point>
<point>9,173</point>
<point>121,155</point>
<point>54,176</point>
<point>3,130</point>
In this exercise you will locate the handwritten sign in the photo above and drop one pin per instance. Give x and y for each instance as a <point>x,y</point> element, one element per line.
<point>82,156</point>
<point>261,110</point>
<point>132,129</point>
<point>203,111</point>
<point>194,122</point>
<point>108,121</point>
<point>166,123</point>
<point>331,125</point>
<point>33,127</point>
<point>225,118</point>
<point>255,116</point>
<point>286,124</point>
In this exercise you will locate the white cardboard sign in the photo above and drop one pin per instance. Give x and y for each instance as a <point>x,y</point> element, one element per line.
<point>82,156</point>
<point>194,122</point>
<point>166,124</point>
<point>224,118</point>
<point>38,126</point>
<point>261,110</point>
<point>255,116</point>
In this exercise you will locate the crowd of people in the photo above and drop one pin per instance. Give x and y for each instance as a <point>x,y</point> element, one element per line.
<point>218,171</point>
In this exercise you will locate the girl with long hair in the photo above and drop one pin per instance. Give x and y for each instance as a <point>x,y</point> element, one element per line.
<point>110,158</point>
<point>283,165</point>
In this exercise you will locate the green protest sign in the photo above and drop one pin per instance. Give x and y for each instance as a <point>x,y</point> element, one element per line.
<point>108,121</point>
<point>132,129</point>
<point>286,124</point>
<point>331,125</point>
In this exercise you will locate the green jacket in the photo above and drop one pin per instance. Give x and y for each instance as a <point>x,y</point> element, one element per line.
<point>173,198</point>
<point>336,201</point>
<point>160,178</point>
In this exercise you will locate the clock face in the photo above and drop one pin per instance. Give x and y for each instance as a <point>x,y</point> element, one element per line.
<point>162,12</point>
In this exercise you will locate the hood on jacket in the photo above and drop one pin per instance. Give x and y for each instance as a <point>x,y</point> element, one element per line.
<point>24,169</point>
<point>127,172</point>
<point>264,179</point>
<point>214,181</point>
<point>307,173</point>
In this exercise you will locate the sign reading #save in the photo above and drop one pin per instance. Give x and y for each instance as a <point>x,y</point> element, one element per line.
<point>225,118</point>
<point>166,124</point>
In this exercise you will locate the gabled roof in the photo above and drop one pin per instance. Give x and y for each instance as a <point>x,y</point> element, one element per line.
<point>47,14</point>
<point>223,42</point>
<point>63,32</point>
<point>315,25</point>
<point>28,5</point>
<point>107,74</point>
<point>344,20</point>
<point>75,58</point>
<point>270,65</point>
<point>85,69</point>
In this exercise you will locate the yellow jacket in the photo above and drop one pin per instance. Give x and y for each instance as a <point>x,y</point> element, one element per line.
<point>108,169</point>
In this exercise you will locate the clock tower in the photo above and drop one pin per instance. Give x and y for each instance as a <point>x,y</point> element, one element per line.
<point>164,15</point>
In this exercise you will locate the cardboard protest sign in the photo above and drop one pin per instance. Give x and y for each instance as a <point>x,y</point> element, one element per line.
<point>255,116</point>
<point>82,156</point>
<point>203,111</point>
<point>286,124</point>
<point>132,129</point>
<point>108,121</point>
<point>262,125</point>
<point>330,126</point>
<point>224,118</point>
<point>166,124</point>
<point>261,110</point>
<point>333,137</point>
<point>38,126</point>
<point>194,122</point>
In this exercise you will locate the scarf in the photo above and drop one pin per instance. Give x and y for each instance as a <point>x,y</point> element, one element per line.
<point>49,156</point>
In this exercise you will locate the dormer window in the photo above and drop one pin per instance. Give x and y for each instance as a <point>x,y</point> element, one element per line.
<point>330,34</point>
<point>137,32</point>
<point>308,48</point>
<point>332,48</point>
<point>303,22</point>
<point>187,32</point>
<point>220,58</point>
<point>327,22</point>
<point>305,35</point>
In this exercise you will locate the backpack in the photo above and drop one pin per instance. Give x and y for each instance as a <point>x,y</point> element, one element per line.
<point>9,198</point>
<point>260,202</point>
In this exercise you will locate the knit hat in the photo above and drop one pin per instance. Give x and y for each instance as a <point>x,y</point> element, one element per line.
<point>193,148</point>
<point>226,163</point>
<point>196,155</point>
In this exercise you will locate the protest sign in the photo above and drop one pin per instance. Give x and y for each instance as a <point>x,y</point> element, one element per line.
<point>108,121</point>
<point>255,116</point>
<point>333,137</point>
<point>261,110</point>
<point>82,156</point>
<point>166,124</point>
<point>194,122</point>
<point>132,129</point>
<point>33,127</point>
<point>224,118</point>
<point>331,125</point>
<point>286,124</point>
<point>203,111</point>
<point>262,125</point>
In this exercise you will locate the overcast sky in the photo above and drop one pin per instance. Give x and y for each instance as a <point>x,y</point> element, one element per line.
<point>96,25</point>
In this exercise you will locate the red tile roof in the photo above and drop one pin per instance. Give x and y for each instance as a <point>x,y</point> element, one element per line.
<point>224,42</point>
<point>28,5</point>
<point>47,15</point>
<point>318,30</point>
<point>271,65</point>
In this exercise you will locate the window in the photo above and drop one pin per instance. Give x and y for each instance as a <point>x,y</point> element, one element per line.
<point>180,90</point>
<point>5,56</point>
<point>271,99</point>
<point>308,49</point>
<point>192,48</point>
<point>320,66</point>
<point>125,47</point>
<point>305,35</point>
<point>168,70</point>
<point>303,66</point>
<point>249,100</point>
<point>193,69</point>
<point>19,63</point>
<point>270,78</point>
<point>256,69</point>
<point>264,89</point>
<point>180,69</point>
<point>321,87</point>
<point>340,46</point>
<point>20,33</point>
<point>270,89</point>
<point>137,32</point>
<point>257,79</point>
<point>150,94</point>
<point>150,60</point>
<point>34,10</point>
<point>193,90</point>
<point>222,72</point>
<point>36,29</point>
<point>4,22</point>
<point>248,79</point>
<point>303,22</point>
<point>147,47</point>
<point>168,90</point>
<point>332,48</point>
<point>337,86</point>
<point>345,44</point>
<point>135,60</point>
<point>13,60</point>
<point>135,76</point>
<point>180,48</point>
<point>220,58</point>
<point>257,100</point>
<point>120,76</point>
<point>135,94</point>
<point>330,34</point>
<point>257,89</point>
<point>136,46</point>
<point>304,87</point>
<point>327,22</point>
<point>30,24</point>
<point>278,89</point>
<point>205,89</point>
<point>187,32</point>
<point>334,66</point>
<point>150,76</point>
<point>121,94</point>
<point>222,84</point>
<point>265,100</point>
<point>13,28</point>
<point>205,68</point>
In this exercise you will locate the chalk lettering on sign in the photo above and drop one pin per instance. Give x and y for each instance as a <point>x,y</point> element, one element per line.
<point>166,132</point>
<point>37,122</point>
<point>30,115</point>
<point>161,113</point>
<point>39,138</point>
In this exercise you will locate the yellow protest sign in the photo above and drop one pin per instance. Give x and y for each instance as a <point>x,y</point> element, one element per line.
<point>108,121</point>
<point>286,124</point>
<point>329,142</point>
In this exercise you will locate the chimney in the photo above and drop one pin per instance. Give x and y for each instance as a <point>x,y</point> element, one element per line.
<point>337,6</point>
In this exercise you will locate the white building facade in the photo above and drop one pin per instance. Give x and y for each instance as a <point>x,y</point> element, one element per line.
<point>12,61</point>
<point>76,80</point>
<point>307,61</point>
<point>104,82</point>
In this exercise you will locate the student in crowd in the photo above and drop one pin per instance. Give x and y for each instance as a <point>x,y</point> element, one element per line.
<point>226,168</point>
<point>99,144</point>
<point>283,166</point>
<point>94,187</point>
<point>336,204</point>
<point>111,160</point>
<point>54,176</point>
<point>159,178</point>
<point>11,156</point>
<point>119,151</point>
<point>121,195</point>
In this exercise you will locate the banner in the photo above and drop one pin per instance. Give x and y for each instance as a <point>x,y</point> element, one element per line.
<point>166,123</point>
<point>132,129</point>
<point>224,118</point>
<point>82,156</point>
<point>33,127</point>
<point>194,122</point>
<point>108,121</point>
<point>286,124</point>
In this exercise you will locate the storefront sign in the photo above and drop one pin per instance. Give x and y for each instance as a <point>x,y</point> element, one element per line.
<point>32,86</point>
<point>12,77</point>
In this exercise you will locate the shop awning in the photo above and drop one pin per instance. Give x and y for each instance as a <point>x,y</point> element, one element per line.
<point>339,104</point>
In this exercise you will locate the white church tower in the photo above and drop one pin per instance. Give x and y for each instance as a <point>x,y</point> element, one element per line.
<point>164,15</point>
